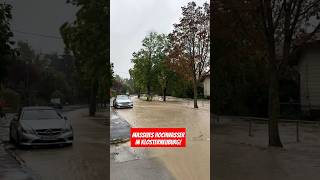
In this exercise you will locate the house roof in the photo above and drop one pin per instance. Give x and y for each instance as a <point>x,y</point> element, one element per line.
<point>297,54</point>
<point>204,77</point>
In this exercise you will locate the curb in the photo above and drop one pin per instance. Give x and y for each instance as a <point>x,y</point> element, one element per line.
<point>13,154</point>
<point>32,175</point>
<point>118,141</point>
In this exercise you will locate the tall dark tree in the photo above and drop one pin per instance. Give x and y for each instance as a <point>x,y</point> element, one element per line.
<point>88,39</point>
<point>31,71</point>
<point>6,51</point>
<point>135,75</point>
<point>190,51</point>
<point>165,75</point>
<point>277,29</point>
<point>287,25</point>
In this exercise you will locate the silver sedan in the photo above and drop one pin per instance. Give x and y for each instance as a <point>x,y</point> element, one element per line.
<point>122,101</point>
<point>40,125</point>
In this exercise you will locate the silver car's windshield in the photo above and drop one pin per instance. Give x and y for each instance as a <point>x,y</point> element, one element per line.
<point>122,97</point>
<point>40,114</point>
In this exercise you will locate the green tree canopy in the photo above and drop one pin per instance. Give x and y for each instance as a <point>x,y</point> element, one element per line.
<point>6,43</point>
<point>88,39</point>
<point>147,62</point>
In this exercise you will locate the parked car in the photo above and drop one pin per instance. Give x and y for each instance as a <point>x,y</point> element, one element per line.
<point>122,101</point>
<point>40,125</point>
<point>56,105</point>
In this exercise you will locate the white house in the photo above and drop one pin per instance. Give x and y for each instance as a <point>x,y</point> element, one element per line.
<point>206,86</point>
<point>308,65</point>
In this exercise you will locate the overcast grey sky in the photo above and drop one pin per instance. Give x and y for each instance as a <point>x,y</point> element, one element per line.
<point>131,20</point>
<point>42,17</point>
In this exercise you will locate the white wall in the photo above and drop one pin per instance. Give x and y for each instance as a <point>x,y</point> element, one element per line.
<point>206,86</point>
<point>309,68</point>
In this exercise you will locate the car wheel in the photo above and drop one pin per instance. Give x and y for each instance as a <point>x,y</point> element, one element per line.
<point>17,141</point>
<point>10,136</point>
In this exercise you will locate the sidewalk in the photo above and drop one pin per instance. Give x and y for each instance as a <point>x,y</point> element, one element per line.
<point>120,129</point>
<point>10,168</point>
<point>240,156</point>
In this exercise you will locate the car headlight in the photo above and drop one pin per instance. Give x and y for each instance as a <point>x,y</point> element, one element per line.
<point>27,131</point>
<point>69,129</point>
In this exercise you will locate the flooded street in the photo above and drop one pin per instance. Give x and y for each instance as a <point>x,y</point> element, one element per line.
<point>85,159</point>
<point>189,163</point>
<point>134,162</point>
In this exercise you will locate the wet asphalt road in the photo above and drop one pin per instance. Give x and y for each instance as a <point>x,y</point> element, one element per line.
<point>86,159</point>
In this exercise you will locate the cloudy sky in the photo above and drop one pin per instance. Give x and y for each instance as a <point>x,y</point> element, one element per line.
<point>132,20</point>
<point>38,22</point>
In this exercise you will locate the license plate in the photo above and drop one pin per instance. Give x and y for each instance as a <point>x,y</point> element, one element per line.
<point>48,137</point>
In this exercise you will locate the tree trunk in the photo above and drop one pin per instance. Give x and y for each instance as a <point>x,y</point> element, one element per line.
<point>149,93</point>
<point>93,100</point>
<point>274,107</point>
<point>195,94</point>
<point>101,100</point>
<point>164,94</point>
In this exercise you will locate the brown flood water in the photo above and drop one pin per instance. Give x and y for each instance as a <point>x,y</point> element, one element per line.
<point>191,162</point>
